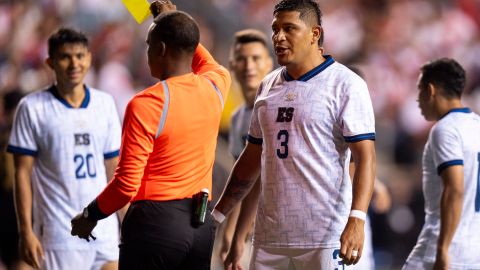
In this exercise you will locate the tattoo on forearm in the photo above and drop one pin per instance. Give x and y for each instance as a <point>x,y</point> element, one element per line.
<point>236,190</point>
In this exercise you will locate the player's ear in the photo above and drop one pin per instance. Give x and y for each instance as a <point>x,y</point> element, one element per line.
<point>432,90</point>
<point>231,63</point>
<point>316,34</point>
<point>162,48</point>
<point>49,62</point>
<point>88,56</point>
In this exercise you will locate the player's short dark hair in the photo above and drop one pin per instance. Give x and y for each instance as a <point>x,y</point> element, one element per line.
<point>177,30</point>
<point>248,36</point>
<point>309,11</point>
<point>446,74</point>
<point>65,36</point>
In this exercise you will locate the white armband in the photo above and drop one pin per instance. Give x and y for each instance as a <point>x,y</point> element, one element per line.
<point>358,214</point>
<point>217,216</point>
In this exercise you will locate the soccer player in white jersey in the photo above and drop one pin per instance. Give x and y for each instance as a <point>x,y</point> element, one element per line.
<point>451,184</point>
<point>250,61</point>
<point>308,115</point>
<point>65,140</point>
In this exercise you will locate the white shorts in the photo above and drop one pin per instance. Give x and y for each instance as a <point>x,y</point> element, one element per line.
<point>264,258</point>
<point>92,259</point>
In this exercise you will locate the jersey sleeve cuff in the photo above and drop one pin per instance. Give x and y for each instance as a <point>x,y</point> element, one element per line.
<point>254,140</point>
<point>360,137</point>
<point>447,164</point>
<point>94,212</point>
<point>20,150</point>
<point>111,154</point>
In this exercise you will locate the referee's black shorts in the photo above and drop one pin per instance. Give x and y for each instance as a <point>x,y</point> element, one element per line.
<point>160,235</point>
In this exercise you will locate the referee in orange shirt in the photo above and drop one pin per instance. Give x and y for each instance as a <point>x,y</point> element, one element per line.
<point>167,152</point>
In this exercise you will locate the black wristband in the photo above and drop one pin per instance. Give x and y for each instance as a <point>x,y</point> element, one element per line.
<point>94,212</point>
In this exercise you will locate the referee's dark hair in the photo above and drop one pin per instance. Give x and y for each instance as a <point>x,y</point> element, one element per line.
<point>65,36</point>
<point>309,12</point>
<point>445,73</point>
<point>177,30</point>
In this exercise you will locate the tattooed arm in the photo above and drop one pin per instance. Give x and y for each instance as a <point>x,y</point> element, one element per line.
<point>244,174</point>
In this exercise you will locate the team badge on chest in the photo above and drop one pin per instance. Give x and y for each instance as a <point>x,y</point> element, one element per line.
<point>290,96</point>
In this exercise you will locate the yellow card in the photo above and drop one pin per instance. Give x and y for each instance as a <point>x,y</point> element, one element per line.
<point>140,9</point>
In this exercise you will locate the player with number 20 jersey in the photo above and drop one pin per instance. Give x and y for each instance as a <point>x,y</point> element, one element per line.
<point>69,146</point>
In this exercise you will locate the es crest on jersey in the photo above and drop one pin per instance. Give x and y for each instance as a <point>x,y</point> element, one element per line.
<point>285,114</point>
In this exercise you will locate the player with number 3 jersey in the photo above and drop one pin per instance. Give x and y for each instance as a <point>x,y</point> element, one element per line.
<point>309,117</point>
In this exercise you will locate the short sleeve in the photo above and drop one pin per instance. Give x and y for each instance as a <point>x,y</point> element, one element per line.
<point>356,117</point>
<point>446,148</point>
<point>112,143</point>
<point>22,137</point>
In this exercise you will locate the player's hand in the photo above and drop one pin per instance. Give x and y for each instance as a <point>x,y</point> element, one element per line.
<point>160,6</point>
<point>351,241</point>
<point>83,227</point>
<point>381,200</point>
<point>224,248</point>
<point>234,256</point>
<point>441,261</point>
<point>31,249</point>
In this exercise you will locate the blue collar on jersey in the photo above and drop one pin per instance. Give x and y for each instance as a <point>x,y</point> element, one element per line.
<point>460,110</point>
<point>85,102</point>
<point>310,74</point>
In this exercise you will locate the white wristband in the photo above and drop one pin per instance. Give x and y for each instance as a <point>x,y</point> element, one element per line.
<point>358,214</point>
<point>217,216</point>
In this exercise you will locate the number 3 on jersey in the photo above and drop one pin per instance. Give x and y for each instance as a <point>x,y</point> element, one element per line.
<point>282,136</point>
<point>84,165</point>
<point>284,114</point>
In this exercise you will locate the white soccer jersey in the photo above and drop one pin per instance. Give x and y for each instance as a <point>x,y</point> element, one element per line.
<point>304,127</point>
<point>237,137</point>
<point>453,140</point>
<point>69,146</point>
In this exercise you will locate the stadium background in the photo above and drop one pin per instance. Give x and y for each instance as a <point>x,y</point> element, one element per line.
<point>387,39</point>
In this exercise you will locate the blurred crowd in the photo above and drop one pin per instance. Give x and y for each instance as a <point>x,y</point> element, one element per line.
<point>388,40</point>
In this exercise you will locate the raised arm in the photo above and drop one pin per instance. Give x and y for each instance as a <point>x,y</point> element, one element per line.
<point>204,64</point>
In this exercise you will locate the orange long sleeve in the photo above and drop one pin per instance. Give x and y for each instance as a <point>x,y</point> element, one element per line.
<point>169,137</point>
